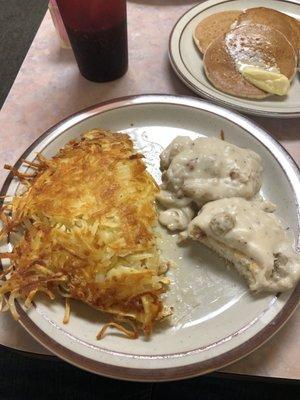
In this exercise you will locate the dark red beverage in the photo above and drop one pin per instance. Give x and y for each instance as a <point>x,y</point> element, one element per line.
<point>97,30</point>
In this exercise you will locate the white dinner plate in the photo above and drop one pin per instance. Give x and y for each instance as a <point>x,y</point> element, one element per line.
<point>187,62</point>
<point>216,320</point>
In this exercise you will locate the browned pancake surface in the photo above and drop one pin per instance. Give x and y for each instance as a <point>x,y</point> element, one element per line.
<point>257,42</point>
<point>285,24</point>
<point>212,27</point>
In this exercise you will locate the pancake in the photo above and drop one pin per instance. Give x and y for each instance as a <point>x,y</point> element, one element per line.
<point>285,24</point>
<point>254,44</point>
<point>213,26</point>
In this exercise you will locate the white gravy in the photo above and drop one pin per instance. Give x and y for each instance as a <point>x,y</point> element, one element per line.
<point>203,170</point>
<point>176,219</point>
<point>242,225</point>
<point>208,169</point>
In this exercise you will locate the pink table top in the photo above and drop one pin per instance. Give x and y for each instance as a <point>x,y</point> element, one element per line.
<point>49,88</point>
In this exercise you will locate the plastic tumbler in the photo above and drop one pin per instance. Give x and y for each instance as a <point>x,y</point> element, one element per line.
<point>59,25</point>
<point>97,30</point>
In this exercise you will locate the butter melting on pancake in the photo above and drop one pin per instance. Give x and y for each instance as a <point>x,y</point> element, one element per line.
<point>244,46</point>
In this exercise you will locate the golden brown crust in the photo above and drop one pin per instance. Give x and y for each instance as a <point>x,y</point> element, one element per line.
<point>87,218</point>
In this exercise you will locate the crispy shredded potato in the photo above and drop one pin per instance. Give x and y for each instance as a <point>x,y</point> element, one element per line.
<point>86,220</point>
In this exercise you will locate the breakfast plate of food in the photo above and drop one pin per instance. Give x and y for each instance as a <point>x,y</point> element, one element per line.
<point>151,238</point>
<point>241,56</point>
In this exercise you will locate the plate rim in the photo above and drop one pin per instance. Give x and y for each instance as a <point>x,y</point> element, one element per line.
<point>203,92</point>
<point>189,370</point>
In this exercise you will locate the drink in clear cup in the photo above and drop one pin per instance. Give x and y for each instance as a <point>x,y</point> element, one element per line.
<point>59,25</point>
<point>97,30</point>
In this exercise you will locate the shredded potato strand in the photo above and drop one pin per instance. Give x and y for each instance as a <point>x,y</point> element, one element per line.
<point>20,175</point>
<point>67,310</point>
<point>11,304</point>
<point>131,334</point>
<point>28,301</point>
<point>83,227</point>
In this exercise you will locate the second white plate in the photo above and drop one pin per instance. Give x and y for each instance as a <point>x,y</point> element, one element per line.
<point>188,65</point>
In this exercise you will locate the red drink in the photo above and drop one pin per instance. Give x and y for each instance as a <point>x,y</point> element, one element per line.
<point>97,30</point>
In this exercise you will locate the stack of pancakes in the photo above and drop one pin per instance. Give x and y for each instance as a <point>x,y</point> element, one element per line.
<point>259,37</point>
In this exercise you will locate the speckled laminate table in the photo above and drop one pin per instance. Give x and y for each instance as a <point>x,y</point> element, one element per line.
<point>49,88</point>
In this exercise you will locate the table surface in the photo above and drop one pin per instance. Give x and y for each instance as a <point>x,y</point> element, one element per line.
<point>49,88</point>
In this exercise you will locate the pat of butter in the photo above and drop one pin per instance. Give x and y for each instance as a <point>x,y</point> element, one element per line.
<point>271,82</point>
